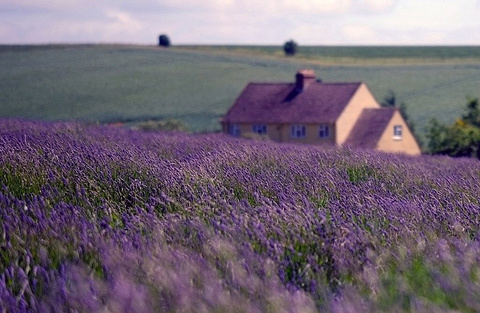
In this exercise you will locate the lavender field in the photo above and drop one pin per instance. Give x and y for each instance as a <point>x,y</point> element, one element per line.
<point>98,219</point>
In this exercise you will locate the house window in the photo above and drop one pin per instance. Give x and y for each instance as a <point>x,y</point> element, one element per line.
<point>397,132</point>
<point>259,129</point>
<point>234,130</point>
<point>323,131</point>
<point>298,131</point>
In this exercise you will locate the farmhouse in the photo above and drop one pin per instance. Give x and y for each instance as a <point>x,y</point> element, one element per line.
<point>314,112</point>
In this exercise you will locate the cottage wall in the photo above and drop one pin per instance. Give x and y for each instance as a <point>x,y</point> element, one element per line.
<point>348,102</point>
<point>361,99</point>
<point>246,130</point>
<point>311,135</point>
<point>282,133</point>
<point>407,144</point>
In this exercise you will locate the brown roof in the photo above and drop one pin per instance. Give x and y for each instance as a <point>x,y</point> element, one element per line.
<point>369,128</point>
<point>283,103</point>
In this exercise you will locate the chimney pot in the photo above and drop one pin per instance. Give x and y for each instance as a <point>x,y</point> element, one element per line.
<point>304,78</point>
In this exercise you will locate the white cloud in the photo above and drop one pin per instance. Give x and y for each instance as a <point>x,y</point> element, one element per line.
<point>122,20</point>
<point>241,21</point>
<point>5,31</point>
<point>283,7</point>
<point>468,35</point>
<point>379,5</point>
<point>119,25</point>
<point>318,6</point>
<point>46,5</point>
<point>358,34</point>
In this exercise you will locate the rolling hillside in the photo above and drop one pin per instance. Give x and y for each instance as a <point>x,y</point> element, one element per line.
<point>105,83</point>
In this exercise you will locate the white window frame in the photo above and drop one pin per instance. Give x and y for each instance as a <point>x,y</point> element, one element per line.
<point>397,132</point>
<point>234,130</point>
<point>323,131</point>
<point>298,131</point>
<point>260,129</point>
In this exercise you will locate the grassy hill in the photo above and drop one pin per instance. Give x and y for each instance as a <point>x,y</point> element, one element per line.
<point>197,84</point>
<point>108,219</point>
<point>358,55</point>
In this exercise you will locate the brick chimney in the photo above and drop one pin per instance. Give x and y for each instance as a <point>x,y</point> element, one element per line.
<point>304,78</point>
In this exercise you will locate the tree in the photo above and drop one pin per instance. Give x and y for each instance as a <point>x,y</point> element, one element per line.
<point>461,139</point>
<point>290,48</point>
<point>163,40</point>
<point>457,140</point>
<point>473,112</point>
<point>390,100</point>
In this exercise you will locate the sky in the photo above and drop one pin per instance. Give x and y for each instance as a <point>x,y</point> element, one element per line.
<point>257,22</point>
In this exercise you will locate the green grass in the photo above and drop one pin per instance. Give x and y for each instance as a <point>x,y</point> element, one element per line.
<point>360,55</point>
<point>197,84</point>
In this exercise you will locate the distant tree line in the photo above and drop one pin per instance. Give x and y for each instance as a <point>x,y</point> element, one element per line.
<point>163,125</point>
<point>460,139</point>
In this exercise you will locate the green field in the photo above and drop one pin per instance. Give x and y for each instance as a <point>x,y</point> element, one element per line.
<point>197,84</point>
<point>360,55</point>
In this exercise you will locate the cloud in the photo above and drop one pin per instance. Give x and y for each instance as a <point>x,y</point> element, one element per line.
<point>468,35</point>
<point>266,7</point>
<point>40,5</point>
<point>240,21</point>
<point>106,25</point>
<point>317,6</point>
<point>118,24</point>
<point>310,7</point>
<point>122,19</point>
<point>359,33</point>
<point>5,31</point>
<point>378,5</point>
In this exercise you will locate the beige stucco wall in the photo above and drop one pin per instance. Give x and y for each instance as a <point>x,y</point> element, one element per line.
<point>247,131</point>
<point>407,144</point>
<point>282,133</point>
<point>362,99</point>
<point>273,131</point>
<point>311,135</point>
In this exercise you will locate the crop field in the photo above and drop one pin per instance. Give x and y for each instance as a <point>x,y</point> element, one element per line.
<point>105,219</point>
<point>360,55</point>
<point>197,84</point>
